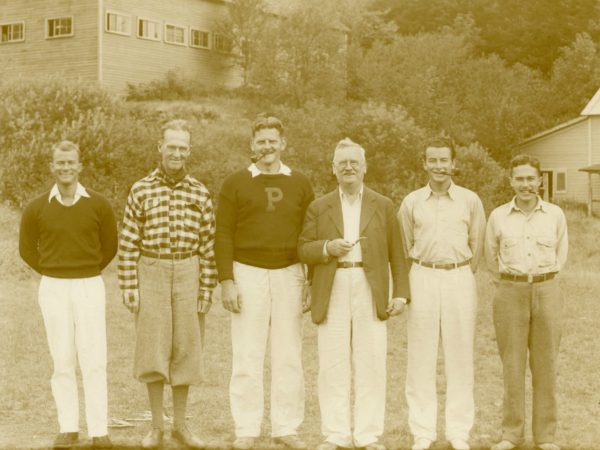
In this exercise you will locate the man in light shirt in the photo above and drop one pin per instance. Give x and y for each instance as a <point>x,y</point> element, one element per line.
<point>443,228</point>
<point>69,235</point>
<point>525,247</point>
<point>352,241</point>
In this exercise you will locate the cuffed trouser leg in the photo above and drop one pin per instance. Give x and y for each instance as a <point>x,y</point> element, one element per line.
<point>74,317</point>
<point>458,317</point>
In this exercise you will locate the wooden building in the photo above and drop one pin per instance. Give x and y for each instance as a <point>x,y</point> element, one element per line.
<point>566,153</point>
<point>115,41</point>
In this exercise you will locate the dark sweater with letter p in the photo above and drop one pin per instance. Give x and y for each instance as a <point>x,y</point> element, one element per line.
<point>76,241</point>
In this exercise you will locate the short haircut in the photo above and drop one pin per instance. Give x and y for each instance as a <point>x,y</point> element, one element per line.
<point>523,160</point>
<point>441,142</point>
<point>66,146</point>
<point>176,125</point>
<point>349,143</point>
<point>267,120</point>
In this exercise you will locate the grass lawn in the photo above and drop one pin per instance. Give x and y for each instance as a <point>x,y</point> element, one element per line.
<point>27,412</point>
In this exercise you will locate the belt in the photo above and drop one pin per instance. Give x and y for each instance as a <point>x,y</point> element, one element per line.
<point>528,278</point>
<point>349,264</point>
<point>445,266</point>
<point>182,255</point>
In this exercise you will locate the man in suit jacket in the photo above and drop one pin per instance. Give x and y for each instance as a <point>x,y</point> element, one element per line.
<point>351,239</point>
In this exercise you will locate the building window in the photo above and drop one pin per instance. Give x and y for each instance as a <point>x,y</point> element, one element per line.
<point>560,181</point>
<point>175,34</point>
<point>118,23</point>
<point>222,43</point>
<point>59,27</point>
<point>199,38</point>
<point>148,29</point>
<point>12,32</point>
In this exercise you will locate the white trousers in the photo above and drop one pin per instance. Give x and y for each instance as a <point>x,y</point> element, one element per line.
<point>74,317</point>
<point>352,339</point>
<point>443,302</point>
<point>271,304</point>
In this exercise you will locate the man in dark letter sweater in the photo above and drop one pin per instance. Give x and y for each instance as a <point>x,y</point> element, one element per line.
<point>69,236</point>
<point>259,219</point>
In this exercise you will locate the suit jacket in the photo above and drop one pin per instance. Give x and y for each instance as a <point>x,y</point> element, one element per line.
<point>381,250</point>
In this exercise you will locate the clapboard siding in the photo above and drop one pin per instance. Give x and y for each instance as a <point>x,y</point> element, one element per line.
<point>134,60</point>
<point>74,56</point>
<point>566,148</point>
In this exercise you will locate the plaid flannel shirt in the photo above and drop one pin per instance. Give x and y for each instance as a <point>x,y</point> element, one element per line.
<point>165,217</point>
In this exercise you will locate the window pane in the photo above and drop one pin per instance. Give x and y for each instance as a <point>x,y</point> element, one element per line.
<point>561,181</point>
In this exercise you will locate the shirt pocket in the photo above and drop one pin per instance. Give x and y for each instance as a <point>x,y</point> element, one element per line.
<point>509,251</point>
<point>546,250</point>
<point>192,217</point>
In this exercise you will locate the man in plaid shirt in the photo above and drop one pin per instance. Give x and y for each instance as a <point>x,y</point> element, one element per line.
<point>166,274</point>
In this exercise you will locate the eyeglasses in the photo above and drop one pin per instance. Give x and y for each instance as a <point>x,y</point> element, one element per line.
<point>342,164</point>
<point>266,120</point>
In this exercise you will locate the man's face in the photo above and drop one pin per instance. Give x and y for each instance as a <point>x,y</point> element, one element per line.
<point>268,143</point>
<point>438,164</point>
<point>349,166</point>
<point>65,166</point>
<point>175,149</point>
<point>525,181</point>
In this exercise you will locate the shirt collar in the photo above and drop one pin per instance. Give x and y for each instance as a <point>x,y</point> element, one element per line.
<point>79,192</point>
<point>512,206</point>
<point>283,170</point>
<point>451,191</point>
<point>344,196</point>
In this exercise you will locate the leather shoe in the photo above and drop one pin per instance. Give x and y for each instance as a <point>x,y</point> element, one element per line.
<point>243,443</point>
<point>375,446</point>
<point>548,446</point>
<point>327,446</point>
<point>185,437</point>
<point>503,445</point>
<point>153,439</point>
<point>66,440</point>
<point>421,444</point>
<point>291,441</point>
<point>101,442</point>
<point>459,444</point>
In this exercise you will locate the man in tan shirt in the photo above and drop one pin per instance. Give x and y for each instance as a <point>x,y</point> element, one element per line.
<point>525,247</point>
<point>443,227</point>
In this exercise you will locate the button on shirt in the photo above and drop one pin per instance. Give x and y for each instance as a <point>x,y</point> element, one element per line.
<point>522,244</point>
<point>167,216</point>
<point>443,228</point>
<point>351,217</point>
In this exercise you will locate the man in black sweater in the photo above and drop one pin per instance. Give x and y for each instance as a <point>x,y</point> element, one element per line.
<point>260,215</point>
<point>69,235</point>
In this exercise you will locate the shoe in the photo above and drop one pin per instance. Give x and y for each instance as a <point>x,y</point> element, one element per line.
<point>291,441</point>
<point>503,445</point>
<point>459,444</point>
<point>187,438</point>
<point>375,446</point>
<point>153,439</point>
<point>548,446</point>
<point>327,446</point>
<point>243,443</point>
<point>66,440</point>
<point>421,444</point>
<point>101,442</point>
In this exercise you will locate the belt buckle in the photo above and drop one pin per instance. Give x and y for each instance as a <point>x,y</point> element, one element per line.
<point>530,278</point>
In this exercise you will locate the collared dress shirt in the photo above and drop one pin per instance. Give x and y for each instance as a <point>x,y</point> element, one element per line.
<point>526,244</point>
<point>447,228</point>
<point>283,170</point>
<point>164,216</point>
<point>79,192</point>
<point>351,217</point>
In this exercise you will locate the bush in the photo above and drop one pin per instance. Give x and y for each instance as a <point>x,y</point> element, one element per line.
<point>173,86</point>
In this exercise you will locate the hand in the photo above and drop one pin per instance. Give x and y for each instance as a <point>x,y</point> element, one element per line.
<point>339,247</point>
<point>131,300</point>
<point>230,296</point>
<point>203,306</point>
<point>396,306</point>
<point>306,298</point>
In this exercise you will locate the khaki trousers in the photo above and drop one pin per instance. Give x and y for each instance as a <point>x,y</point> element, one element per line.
<point>528,317</point>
